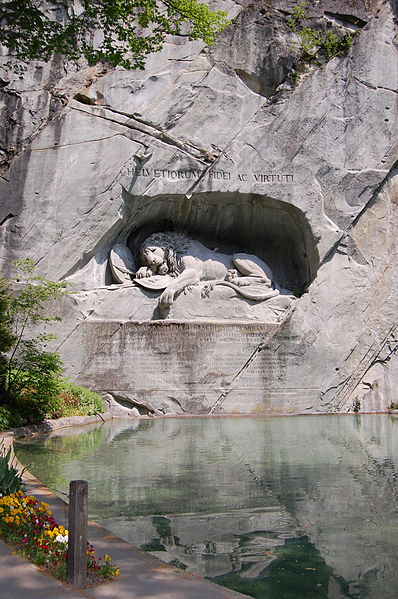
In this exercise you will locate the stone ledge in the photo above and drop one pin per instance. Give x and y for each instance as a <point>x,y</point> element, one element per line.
<point>52,425</point>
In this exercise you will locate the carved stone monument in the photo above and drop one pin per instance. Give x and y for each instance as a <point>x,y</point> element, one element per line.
<point>173,263</point>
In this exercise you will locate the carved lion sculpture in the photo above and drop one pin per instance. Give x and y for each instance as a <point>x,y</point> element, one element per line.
<point>174,262</point>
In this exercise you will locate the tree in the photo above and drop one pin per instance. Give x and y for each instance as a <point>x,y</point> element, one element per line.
<point>29,375</point>
<point>120,32</point>
<point>6,337</point>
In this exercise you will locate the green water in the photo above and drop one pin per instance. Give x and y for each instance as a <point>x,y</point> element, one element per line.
<point>276,508</point>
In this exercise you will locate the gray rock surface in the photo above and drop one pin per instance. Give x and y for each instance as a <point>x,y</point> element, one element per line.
<point>244,147</point>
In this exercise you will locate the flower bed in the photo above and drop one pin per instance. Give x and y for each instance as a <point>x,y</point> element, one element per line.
<point>29,525</point>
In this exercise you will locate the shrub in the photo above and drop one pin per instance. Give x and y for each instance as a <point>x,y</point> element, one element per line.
<point>78,401</point>
<point>35,392</point>
<point>6,418</point>
<point>10,478</point>
<point>298,14</point>
<point>31,386</point>
<point>317,43</point>
<point>29,375</point>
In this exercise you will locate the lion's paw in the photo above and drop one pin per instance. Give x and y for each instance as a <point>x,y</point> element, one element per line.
<point>207,289</point>
<point>144,272</point>
<point>167,298</point>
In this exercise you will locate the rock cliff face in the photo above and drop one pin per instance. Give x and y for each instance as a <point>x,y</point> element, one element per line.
<point>246,147</point>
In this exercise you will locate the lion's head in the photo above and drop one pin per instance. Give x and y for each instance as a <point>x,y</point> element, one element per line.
<point>173,247</point>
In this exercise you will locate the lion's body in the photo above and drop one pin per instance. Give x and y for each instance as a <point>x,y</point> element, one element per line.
<point>189,262</point>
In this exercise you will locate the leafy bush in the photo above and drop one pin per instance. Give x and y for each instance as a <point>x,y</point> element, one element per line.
<point>298,14</point>
<point>313,41</point>
<point>78,401</point>
<point>10,478</point>
<point>7,419</point>
<point>31,386</point>
<point>35,392</point>
<point>56,399</point>
<point>29,375</point>
<point>316,42</point>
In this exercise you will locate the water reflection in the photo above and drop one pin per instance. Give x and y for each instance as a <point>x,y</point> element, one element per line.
<point>273,507</point>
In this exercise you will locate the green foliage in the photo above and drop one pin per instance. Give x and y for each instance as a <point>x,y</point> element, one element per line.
<point>7,339</point>
<point>162,526</point>
<point>35,389</point>
<point>78,401</point>
<point>29,375</point>
<point>176,563</point>
<point>315,42</point>
<point>295,76</point>
<point>9,419</point>
<point>31,385</point>
<point>299,13</point>
<point>122,32</point>
<point>47,460</point>
<point>357,405</point>
<point>10,479</point>
<point>5,418</point>
<point>337,46</point>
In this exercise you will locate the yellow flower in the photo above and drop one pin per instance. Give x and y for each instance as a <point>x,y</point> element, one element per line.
<point>116,572</point>
<point>107,557</point>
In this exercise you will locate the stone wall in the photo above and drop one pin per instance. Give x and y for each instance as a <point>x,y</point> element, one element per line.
<point>244,147</point>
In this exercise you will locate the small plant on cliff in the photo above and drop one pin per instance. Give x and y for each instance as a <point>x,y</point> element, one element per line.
<point>120,33</point>
<point>299,13</point>
<point>29,375</point>
<point>317,44</point>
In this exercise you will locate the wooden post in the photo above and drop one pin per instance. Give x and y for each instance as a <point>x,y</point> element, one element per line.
<point>77,538</point>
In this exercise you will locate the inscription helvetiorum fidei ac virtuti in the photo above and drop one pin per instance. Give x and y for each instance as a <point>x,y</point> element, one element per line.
<point>227,215</point>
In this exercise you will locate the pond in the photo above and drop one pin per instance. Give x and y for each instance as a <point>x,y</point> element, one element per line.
<point>274,507</point>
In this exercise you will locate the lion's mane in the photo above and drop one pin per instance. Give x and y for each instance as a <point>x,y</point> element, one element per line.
<point>175,246</point>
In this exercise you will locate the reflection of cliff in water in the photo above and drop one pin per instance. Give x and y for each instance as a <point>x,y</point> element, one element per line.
<point>236,498</point>
<point>271,558</point>
<point>212,544</point>
<point>351,515</point>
